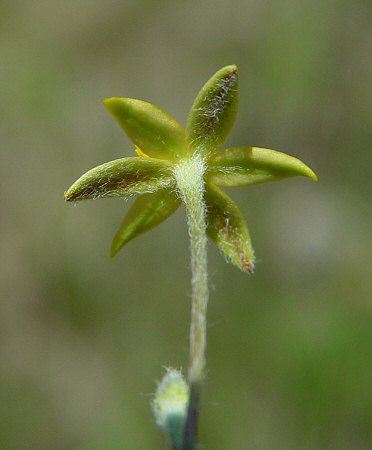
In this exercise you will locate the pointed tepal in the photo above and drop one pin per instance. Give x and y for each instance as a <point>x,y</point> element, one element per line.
<point>152,129</point>
<point>213,112</point>
<point>147,212</point>
<point>121,178</point>
<point>228,229</point>
<point>243,166</point>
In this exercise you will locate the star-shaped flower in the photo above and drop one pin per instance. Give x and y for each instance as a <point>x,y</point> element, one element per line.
<point>162,145</point>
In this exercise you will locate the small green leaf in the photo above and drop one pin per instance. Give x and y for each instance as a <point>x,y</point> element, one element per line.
<point>228,229</point>
<point>121,178</point>
<point>146,212</point>
<point>242,166</point>
<point>213,112</point>
<point>153,130</point>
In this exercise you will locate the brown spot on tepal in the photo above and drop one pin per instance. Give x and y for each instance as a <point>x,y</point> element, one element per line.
<point>247,264</point>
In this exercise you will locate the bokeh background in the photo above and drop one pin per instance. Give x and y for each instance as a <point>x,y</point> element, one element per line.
<point>83,337</point>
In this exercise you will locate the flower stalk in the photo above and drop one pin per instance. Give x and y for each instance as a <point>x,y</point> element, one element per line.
<point>189,175</point>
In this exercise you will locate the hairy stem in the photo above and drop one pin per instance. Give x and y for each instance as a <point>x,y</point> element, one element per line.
<point>189,174</point>
<point>190,180</point>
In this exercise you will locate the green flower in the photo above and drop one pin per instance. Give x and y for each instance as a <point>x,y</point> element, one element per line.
<point>162,145</point>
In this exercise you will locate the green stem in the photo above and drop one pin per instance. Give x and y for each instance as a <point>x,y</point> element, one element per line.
<point>191,426</point>
<point>189,175</point>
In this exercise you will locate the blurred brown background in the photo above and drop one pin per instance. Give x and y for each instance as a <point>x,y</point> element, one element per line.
<point>84,337</point>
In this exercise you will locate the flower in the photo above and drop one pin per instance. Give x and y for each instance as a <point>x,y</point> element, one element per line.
<point>162,145</point>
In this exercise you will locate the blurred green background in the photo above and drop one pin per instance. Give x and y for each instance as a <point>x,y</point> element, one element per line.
<point>83,337</point>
